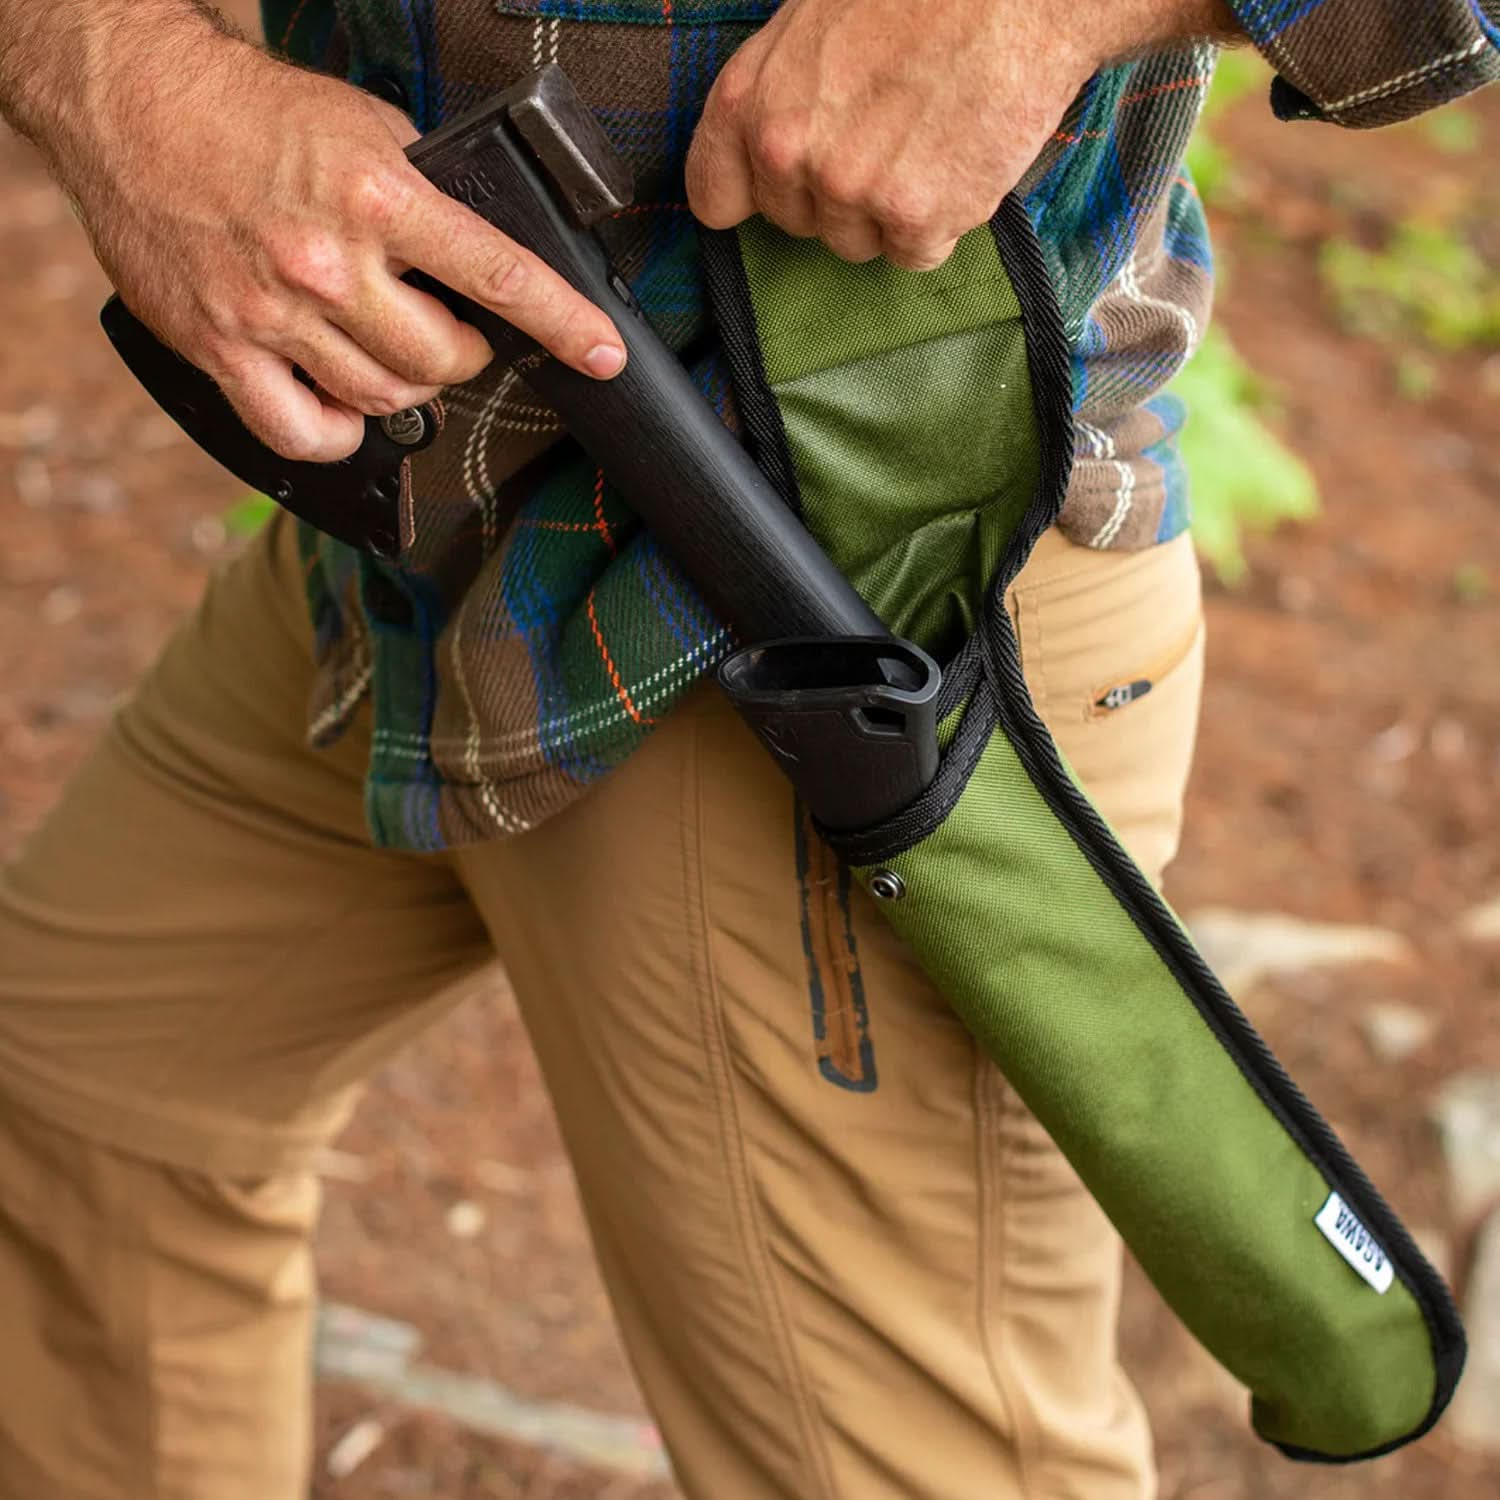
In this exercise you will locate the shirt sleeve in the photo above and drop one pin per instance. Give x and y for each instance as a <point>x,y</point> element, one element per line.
<point>1373,62</point>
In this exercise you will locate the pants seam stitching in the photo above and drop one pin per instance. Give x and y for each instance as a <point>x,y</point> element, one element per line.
<point>752,1244</point>
<point>994,1256</point>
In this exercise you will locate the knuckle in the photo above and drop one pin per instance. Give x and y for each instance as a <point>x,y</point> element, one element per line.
<point>731,90</point>
<point>276,427</point>
<point>458,366</point>
<point>315,262</point>
<point>839,183</point>
<point>382,398</point>
<point>375,196</point>
<point>502,278</point>
<point>291,443</point>
<point>375,401</point>
<point>906,212</point>
<point>856,252</point>
<point>925,257</point>
<point>434,364</point>
<point>777,147</point>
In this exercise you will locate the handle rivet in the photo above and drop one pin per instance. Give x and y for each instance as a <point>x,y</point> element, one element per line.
<point>887,885</point>
<point>407,426</point>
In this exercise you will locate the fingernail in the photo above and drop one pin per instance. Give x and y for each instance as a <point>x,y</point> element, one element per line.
<point>605,360</point>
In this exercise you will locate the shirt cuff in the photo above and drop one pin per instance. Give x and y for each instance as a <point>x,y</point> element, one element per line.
<point>1372,62</point>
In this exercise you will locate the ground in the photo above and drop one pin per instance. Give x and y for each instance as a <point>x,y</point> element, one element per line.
<point>1347,771</point>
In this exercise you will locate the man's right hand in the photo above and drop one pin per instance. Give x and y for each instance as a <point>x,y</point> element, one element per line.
<point>258,217</point>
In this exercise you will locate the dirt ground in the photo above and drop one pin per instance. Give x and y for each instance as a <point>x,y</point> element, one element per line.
<point>1348,770</point>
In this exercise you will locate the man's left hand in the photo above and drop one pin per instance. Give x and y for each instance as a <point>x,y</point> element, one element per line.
<point>892,127</point>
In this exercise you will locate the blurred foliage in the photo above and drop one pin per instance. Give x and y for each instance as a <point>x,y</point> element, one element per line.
<point>1209,162</point>
<point>1240,71</point>
<point>1454,131</point>
<point>1416,376</point>
<point>1472,584</point>
<point>1244,476</point>
<point>1427,281</point>
<point>246,517</point>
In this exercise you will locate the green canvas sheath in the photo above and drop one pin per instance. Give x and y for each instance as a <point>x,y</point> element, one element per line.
<point>921,425</point>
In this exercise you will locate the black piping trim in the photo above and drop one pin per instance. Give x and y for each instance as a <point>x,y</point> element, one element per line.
<point>729,296</point>
<point>1257,1063</point>
<point>1049,358</point>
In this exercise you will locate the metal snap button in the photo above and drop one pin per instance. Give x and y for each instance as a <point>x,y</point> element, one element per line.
<point>408,427</point>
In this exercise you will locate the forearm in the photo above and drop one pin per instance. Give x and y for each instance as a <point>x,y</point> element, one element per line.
<point>67,66</point>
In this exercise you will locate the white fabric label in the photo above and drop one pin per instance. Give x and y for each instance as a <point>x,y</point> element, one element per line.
<point>1341,1228</point>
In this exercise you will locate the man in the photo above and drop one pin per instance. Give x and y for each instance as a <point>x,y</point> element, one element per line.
<point>846,1261</point>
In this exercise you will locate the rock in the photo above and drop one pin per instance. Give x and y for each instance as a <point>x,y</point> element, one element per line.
<point>1449,450</point>
<point>1393,1032</point>
<point>363,1346</point>
<point>378,1354</point>
<point>354,1447</point>
<point>1398,742</point>
<point>33,482</point>
<point>1248,947</point>
<point>1467,1113</point>
<point>209,535</point>
<point>1474,1417</point>
<point>155,431</point>
<point>30,430</point>
<point>342,1166</point>
<point>465,1219</point>
<point>502,1177</point>
<point>97,492</point>
<point>61,604</point>
<point>1481,923</point>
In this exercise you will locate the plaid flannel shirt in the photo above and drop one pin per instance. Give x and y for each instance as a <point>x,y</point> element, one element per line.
<point>537,632</point>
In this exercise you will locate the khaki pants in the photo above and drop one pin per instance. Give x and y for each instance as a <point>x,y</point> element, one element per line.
<point>845,1260</point>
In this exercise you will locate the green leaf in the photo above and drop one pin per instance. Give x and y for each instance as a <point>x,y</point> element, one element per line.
<point>246,517</point>
<point>1244,476</point>
<point>1455,132</point>
<point>1416,376</point>
<point>1471,583</point>
<point>1237,74</point>
<point>1427,281</point>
